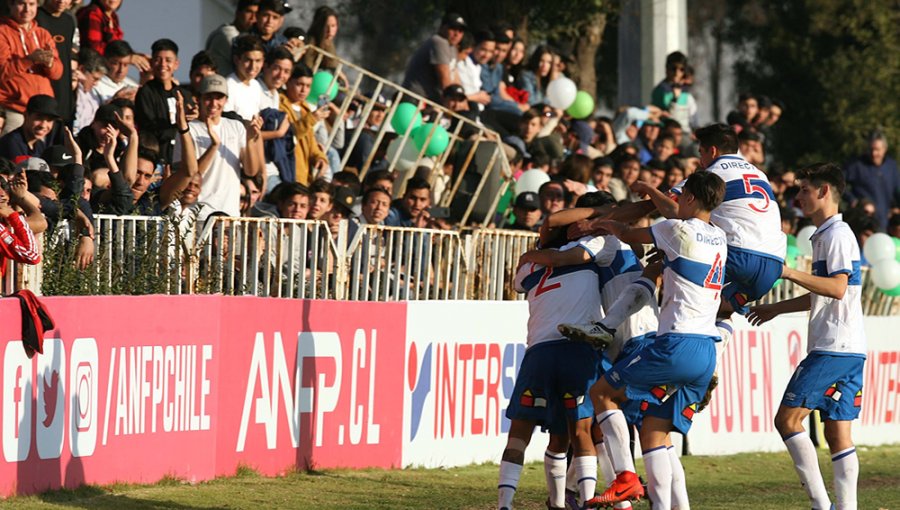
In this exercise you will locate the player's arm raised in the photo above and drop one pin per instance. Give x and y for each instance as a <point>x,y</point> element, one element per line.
<point>764,313</point>
<point>665,205</point>
<point>834,286</point>
<point>626,213</point>
<point>626,233</point>
<point>556,258</point>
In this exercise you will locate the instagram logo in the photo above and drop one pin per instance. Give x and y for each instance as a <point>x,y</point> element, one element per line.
<point>83,401</point>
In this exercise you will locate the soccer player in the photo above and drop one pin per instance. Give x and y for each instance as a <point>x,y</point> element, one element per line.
<point>830,379</point>
<point>670,375</point>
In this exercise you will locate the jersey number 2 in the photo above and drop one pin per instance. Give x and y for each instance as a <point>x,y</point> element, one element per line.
<point>543,287</point>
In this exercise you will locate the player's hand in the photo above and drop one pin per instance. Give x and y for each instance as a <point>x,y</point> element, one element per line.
<point>641,188</point>
<point>579,229</point>
<point>655,255</point>
<point>761,314</point>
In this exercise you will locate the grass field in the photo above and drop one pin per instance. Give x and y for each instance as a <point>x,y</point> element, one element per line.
<point>757,481</point>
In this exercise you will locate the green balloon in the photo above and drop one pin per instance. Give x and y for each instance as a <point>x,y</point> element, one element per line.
<point>791,257</point>
<point>897,245</point>
<point>320,83</point>
<point>892,292</point>
<point>406,117</point>
<point>791,240</point>
<point>439,140</point>
<point>582,107</point>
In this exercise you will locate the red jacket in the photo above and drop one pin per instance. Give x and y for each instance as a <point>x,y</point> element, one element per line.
<point>17,242</point>
<point>20,78</point>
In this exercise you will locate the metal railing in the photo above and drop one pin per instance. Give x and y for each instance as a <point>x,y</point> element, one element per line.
<point>495,255</point>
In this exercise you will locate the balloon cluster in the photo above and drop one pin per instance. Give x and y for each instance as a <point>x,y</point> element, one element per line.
<point>564,95</point>
<point>407,118</point>
<point>883,254</point>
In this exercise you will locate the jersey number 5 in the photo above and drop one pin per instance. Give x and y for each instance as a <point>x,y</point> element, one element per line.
<point>543,287</point>
<point>753,189</point>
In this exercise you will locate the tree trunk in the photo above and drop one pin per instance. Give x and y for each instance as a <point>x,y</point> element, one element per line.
<point>586,48</point>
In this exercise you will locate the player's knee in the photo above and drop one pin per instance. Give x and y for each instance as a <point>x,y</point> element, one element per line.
<point>557,443</point>
<point>515,450</point>
<point>787,422</point>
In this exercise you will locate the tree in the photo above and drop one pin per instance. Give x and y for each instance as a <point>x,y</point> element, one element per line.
<point>835,63</point>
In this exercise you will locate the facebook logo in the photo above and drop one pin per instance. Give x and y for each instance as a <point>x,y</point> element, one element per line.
<point>17,399</point>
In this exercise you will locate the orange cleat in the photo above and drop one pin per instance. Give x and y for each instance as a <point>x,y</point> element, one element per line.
<point>626,487</point>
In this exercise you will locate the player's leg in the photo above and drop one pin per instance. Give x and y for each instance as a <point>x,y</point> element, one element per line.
<point>789,423</point>
<point>679,483</point>
<point>585,457</point>
<point>844,461</point>
<point>555,469</point>
<point>511,463</point>
<point>654,449</point>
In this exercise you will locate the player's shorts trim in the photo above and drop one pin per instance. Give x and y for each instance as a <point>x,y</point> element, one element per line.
<point>828,383</point>
<point>749,275</point>
<point>553,385</point>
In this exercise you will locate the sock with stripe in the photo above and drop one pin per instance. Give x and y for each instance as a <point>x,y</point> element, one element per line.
<point>586,473</point>
<point>726,331</point>
<point>604,464</point>
<point>615,435</point>
<point>659,476</point>
<point>555,472</point>
<point>803,453</point>
<point>571,481</point>
<point>633,298</point>
<point>846,472</point>
<point>509,481</point>
<point>679,485</point>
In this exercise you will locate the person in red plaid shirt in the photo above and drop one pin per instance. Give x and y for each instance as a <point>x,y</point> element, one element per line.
<point>98,24</point>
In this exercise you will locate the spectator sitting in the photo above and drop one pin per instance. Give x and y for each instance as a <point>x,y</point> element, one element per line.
<point>54,16</point>
<point>412,209</point>
<point>646,140</point>
<point>91,70</point>
<point>627,172</point>
<point>745,113</point>
<point>269,20</point>
<point>470,69</point>
<point>116,81</point>
<point>30,61</point>
<point>376,204</point>
<point>156,99</point>
<point>365,144</point>
<point>514,62</point>
<point>245,93</point>
<point>538,74</point>
<point>19,242</point>
<point>428,70</point>
<point>875,176</point>
<point>345,203</point>
<point>675,173</point>
<point>309,156</point>
<point>492,78</point>
<point>527,209</point>
<point>293,201</point>
<point>750,146</point>
<point>92,139</point>
<point>253,187</point>
<point>378,179</point>
<point>893,229</point>
<point>322,199</point>
<point>275,74</point>
<point>553,197</point>
<point>665,147</point>
<point>30,139</point>
<point>218,44</point>
<point>602,173</point>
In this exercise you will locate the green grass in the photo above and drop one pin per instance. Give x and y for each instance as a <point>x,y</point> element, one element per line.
<point>757,481</point>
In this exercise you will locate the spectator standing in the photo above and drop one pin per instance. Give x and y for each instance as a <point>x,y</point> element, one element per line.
<point>428,70</point>
<point>155,103</point>
<point>116,81</point>
<point>28,61</point>
<point>309,156</point>
<point>87,100</point>
<point>54,17</point>
<point>671,95</point>
<point>202,64</point>
<point>98,24</point>
<point>875,176</point>
<point>412,209</point>
<point>218,44</point>
<point>269,20</point>
<point>245,93</point>
<point>321,33</point>
<point>321,199</point>
<point>226,148</point>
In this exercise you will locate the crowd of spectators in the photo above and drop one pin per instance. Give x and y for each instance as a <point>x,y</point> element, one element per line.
<point>243,137</point>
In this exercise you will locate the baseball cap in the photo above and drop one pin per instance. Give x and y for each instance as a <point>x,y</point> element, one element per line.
<point>295,33</point>
<point>57,155</point>
<point>279,6</point>
<point>528,200</point>
<point>346,198</point>
<point>455,91</point>
<point>454,20</point>
<point>214,83</point>
<point>32,165</point>
<point>44,105</point>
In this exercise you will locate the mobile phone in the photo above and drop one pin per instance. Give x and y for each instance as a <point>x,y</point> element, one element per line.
<point>323,101</point>
<point>439,213</point>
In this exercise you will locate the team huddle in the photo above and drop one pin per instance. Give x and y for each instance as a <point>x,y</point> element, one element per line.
<point>603,356</point>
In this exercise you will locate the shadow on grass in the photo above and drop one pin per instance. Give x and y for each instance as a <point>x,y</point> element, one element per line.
<point>97,498</point>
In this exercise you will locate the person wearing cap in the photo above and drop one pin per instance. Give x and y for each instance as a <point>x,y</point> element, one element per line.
<point>28,61</point>
<point>343,207</point>
<point>30,138</point>
<point>226,150</point>
<point>428,70</point>
<point>54,16</point>
<point>92,139</point>
<point>218,44</point>
<point>155,101</point>
<point>269,20</point>
<point>527,209</point>
<point>116,81</point>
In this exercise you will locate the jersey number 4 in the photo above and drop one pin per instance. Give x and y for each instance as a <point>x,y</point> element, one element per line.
<point>716,275</point>
<point>753,189</point>
<point>543,287</point>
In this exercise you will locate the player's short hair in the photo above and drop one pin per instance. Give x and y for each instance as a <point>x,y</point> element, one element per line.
<point>164,45</point>
<point>825,173</point>
<point>707,188</point>
<point>720,136</point>
<point>595,199</point>
<point>417,183</point>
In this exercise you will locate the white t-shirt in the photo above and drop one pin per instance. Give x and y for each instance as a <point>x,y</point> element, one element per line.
<point>695,254</point>
<point>469,73</point>
<point>245,100</point>
<point>836,325</point>
<point>563,294</point>
<point>106,88</point>
<point>270,98</point>
<point>749,214</point>
<point>221,187</point>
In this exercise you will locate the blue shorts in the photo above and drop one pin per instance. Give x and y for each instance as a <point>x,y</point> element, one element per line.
<point>748,277</point>
<point>668,377</point>
<point>553,385</point>
<point>827,382</point>
<point>632,408</point>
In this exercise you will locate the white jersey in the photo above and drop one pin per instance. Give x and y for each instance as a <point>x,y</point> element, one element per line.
<point>693,274</point>
<point>749,213</point>
<point>836,325</point>
<point>563,294</point>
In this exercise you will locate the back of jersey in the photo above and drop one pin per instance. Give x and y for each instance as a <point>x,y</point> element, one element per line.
<point>695,254</point>
<point>562,294</point>
<point>749,214</point>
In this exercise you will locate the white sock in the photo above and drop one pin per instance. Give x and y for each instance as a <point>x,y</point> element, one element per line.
<point>659,476</point>
<point>615,435</point>
<point>555,472</point>
<point>571,480</point>
<point>726,331</point>
<point>586,472</point>
<point>509,481</point>
<point>605,465</point>
<point>632,299</point>
<point>679,485</point>
<point>806,463</point>
<point>624,504</point>
<point>846,472</point>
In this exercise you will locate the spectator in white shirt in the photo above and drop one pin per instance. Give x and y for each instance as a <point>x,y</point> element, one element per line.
<point>470,69</point>
<point>245,94</point>
<point>116,82</point>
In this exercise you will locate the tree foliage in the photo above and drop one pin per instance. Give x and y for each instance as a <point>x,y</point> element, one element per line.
<point>835,63</point>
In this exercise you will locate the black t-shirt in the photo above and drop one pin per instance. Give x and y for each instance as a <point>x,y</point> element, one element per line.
<point>63,31</point>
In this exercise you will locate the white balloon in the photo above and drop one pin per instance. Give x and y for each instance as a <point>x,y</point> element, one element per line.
<point>886,274</point>
<point>803,243</point>
<point>408,157</point>
<point>561,93</point>
<point>531,180</point>
<point>879,247</point>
